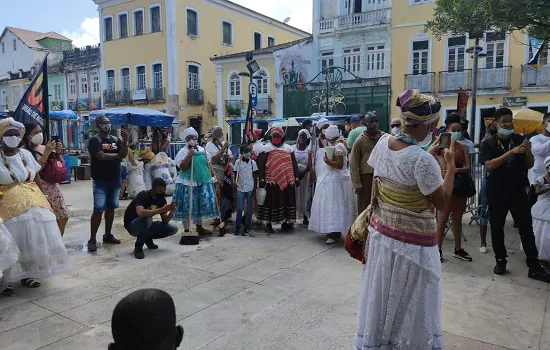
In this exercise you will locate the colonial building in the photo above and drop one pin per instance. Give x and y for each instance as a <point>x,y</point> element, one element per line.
<point>515,67</point>
<point>157,52</point>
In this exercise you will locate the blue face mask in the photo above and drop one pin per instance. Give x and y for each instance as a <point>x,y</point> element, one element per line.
<point>505,132</point>
<point>247,155</point>
<point>457,135</point>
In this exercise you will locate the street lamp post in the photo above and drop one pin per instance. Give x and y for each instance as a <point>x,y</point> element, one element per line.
<point>252,67</point>
<point>477,51</point>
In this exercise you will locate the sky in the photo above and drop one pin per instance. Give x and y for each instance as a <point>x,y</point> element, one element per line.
<point>78,19</point>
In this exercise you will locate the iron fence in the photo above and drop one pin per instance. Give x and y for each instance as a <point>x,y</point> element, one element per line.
<point>424,82</point>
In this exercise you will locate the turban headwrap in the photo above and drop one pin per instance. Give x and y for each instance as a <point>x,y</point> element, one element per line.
<point>278,130</point>
<point>189,132</point>
<point>10,124</point>
<point>304,131</point>
<point>321,123</point>
<point>332,132</point>
<point>418,108</point>
<point>258,132</point>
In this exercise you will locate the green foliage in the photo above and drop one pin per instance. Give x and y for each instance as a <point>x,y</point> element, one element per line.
<point>531,15</point>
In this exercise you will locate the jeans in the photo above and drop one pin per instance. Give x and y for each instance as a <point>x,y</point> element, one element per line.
<point>106,195</point>
<point>145,229</point>
<point>241,198</point>
<point>516,202</point>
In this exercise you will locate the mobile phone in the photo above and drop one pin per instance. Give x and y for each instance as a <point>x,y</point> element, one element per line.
<point>445,140</point>
<point>55,138</point>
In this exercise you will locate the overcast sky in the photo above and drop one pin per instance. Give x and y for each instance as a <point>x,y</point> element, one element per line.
<point>77,19</point>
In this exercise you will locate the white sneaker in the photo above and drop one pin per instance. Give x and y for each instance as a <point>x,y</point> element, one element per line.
<point>483,250</point>
<point>330,241</point>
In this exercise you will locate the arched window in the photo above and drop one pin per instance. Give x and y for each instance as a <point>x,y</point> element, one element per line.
<point>263,82</point>
<point>235,83</point>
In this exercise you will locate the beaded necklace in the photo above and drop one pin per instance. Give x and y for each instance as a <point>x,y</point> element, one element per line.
<point>406,138</point>
<point>8,167</point>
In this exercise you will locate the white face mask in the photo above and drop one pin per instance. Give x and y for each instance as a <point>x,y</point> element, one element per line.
<point>192,143</point>
<point>37,139</point>
<point>426,140</point>
<point>395,130</point>
<point>11,141</point>
<point>548,127</point>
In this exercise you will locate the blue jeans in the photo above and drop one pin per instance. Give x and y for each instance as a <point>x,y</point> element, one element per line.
<point>106,195</point>
<point>146,229</point>
<point>243,197</point>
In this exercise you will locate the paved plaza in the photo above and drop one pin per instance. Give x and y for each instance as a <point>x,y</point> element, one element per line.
<point>284,291</point>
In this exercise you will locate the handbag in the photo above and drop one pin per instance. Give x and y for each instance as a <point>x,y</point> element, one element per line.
<point>55,170</point>
<point>464,185</point>
<point>356,238</point>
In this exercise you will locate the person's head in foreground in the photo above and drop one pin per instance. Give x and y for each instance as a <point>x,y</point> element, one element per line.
<point>145,320</point>
<point>454,125</point>
<point>11,133</point>
<point>419,114</point>
<point>395,126</point>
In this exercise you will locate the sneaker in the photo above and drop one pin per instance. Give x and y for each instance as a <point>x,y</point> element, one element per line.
<point>269,229</point>
<point>539,273</point>
<point>462,255</point>
<point>237,232</point>
<point>138,253</point>
<point>483,250</point>
<point>330,241</point>
<point>110,239</point>
<point>500,267</point>
<point>151,245</point>
<point>246,232</point>
<point>306,221</point>
<point>92,246</point>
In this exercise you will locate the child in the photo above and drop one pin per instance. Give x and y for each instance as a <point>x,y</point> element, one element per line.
<point>145,320</point>
<point>246,173</point>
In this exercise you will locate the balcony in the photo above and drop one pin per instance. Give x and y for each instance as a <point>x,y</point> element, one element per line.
<point>233,108</point>
<point>453,82</point>
<point>423,82</point>
<point>109,97</point>
<point>195,96</point>
<point>264,106</point>
<point>156,94</point>
<point>355,21</point>
<point>130,97</point>
<point>237,108</point>
<point>494,79</point>
<point>124,97</point>
<point>535,77</point>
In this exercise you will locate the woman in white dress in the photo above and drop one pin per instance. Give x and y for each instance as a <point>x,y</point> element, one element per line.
<point>541,213</point>
<point>400,299</point>
<point>301,151</point>
<point>334,206</point>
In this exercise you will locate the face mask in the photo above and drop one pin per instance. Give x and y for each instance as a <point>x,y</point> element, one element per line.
<point>192,143</point>
<point>456,135</point>
<point>548,127</point>
<point>427,140</point>
<point>276,140</point>
<point>395,130</point>
<point>247,155</point>
<point>505,132</point>
<point>105,127</point>
<point>11,141</point>
<point>37,139</point>
<point>324,142</point>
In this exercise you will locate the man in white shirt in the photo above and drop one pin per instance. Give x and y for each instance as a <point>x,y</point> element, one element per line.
<point>246,173</point>
<point>540,146</point>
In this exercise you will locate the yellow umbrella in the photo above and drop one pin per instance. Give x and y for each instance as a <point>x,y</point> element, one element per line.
<point>527,121</point>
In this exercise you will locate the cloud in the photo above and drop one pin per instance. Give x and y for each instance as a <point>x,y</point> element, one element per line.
<point>87,34</point>
<point>299,11</point>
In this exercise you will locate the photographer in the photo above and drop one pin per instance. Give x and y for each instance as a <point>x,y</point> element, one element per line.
<point>507,157</point>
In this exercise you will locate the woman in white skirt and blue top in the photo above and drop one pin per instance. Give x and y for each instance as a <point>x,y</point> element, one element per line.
<point>334,206</point>
<point>195,173</point>
<point>26,212</point>
<point>400,299</point>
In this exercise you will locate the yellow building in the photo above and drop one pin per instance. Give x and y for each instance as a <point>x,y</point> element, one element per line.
<point>157,52</point>
<point>443,67</point>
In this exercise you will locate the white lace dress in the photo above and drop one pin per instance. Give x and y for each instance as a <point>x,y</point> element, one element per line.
<point>334,206</point>
<point>541,222</point>
<point>9,253</point>
<point>400,299</point>
<point>302,191</point>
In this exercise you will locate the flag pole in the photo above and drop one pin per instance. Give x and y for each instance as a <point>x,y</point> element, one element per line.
<point>46,101</point>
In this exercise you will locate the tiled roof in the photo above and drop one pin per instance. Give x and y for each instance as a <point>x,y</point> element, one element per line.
<point>264,50</point>
<point>30,38</point>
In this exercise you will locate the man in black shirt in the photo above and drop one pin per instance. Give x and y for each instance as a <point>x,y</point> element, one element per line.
<point>138,218</point>
<point>507,157</point>
<point>106,153</point>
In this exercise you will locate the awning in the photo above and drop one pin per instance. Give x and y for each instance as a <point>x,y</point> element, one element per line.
<point>135,116</point>
<point>65,114</point>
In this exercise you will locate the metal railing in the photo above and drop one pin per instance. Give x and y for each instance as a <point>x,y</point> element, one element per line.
<point>495,78</point>
<point>264,106</point>
<point>233,108</point>
<point>373,17</point>
<point>109,97</point>
<point>424,82</point>
<point>535,76</point>
<point>156,94</point>
<point>124,97</point>
<point>451,82</point>
<point>195,96</point>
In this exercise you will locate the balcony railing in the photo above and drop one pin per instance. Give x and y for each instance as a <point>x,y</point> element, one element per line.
<point>423,82</point>
<point>233,108</point>
<point>128,97</point>
<point>124,97</point>
<point>195,96</point>
<point>535,76</point>
<point>156,94</point>
<point>356,20</point>
<point>109,97</point>
<point>264,106</point>
<point>495,78</point>
<point>236,108</point>
<point>451,82</point>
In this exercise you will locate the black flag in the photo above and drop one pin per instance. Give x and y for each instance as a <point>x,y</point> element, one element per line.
<point>34,105</point>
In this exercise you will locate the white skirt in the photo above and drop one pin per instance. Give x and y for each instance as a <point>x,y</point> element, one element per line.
<point>334,206</point>
<point>302,196</point>
<point>400,300</point>
<point>39,240</point>
<point>9,253</point>
<point>541,225</point>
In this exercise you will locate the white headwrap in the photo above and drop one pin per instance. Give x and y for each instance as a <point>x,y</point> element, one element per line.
<point>546,162</point>
<point>332,132</point>
<point>321,123</point>
<point>11,124</point>
<point>304,131</point>
<point>189,132</point>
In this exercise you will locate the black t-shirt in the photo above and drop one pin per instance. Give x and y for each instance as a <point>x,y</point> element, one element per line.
<point>512,175</point>
<point>105,170</point>
<point>143,199</point>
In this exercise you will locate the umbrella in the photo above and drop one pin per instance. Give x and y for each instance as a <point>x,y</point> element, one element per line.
<point>66,114</point>
<point>527,121</point>
<point>135,116</point>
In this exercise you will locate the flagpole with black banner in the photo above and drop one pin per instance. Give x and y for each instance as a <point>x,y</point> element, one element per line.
<point>46,101</point>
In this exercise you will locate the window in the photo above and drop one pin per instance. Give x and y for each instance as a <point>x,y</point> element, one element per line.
<point>15,95</point>
<point>55,47</point>
<point>420,57</point>
<point>327,60</point>
<point>123,25</point>
<point>95,83</point>
<point>227,33</point>
<point>108,28</point>
<point>157,76</point>
<point>192,22</point>
<point>14,44</point>
<point>84,85</point>
<point>270,41</point>
<point>125,74</point>
<point>193,77</point>
<point>141,78</point>
<point>257,41</point>
<point>495,50</point>
<point>138,22</point>
<point>262,83</point>
<point>234,86</point>
<point>72,86</point>
<point>375,60</point>
<point>416,2</point>
<point>352,60</point>
<point>65,46</point>
<point>154,19</point>
<point>3,47</point>
<point>4,99</point>
<point>456,54</point>
<point>57,92</point>
<point>111,81</point>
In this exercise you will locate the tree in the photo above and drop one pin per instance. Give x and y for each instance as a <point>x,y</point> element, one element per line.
<point>531,15</point>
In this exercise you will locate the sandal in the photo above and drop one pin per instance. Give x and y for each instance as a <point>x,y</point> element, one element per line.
<point>30,282</point>
<point>7,290</point>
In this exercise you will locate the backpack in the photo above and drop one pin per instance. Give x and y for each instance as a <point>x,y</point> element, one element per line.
<point>54,171</point>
